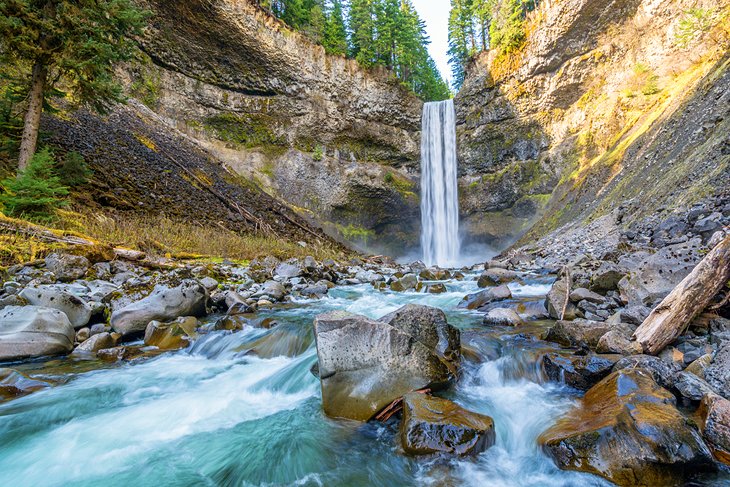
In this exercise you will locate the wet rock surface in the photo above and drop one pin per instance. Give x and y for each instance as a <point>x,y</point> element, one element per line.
<point>431,425</point>
<point>364,365</point>
<point>628,431</point>
<point>578,371</point>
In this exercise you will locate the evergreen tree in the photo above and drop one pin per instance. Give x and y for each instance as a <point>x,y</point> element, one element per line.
<point>36,192</point>
<point>335,34</point>
<point>507,30</point>
<point>317,24</point>
<point>362,31</point>
<point>75,40</point>
<point>461,38</point>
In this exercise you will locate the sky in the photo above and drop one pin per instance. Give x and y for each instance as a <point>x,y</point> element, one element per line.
<point>436,15</point>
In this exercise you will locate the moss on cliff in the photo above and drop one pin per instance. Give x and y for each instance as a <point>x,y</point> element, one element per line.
<point>249,130</point>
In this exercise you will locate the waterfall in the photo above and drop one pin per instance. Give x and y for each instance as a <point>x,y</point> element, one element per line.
<point>439,196</point>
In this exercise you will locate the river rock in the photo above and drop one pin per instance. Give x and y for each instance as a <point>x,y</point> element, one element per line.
<point>433,425</point>
<point>171,336</point>
<point>628,431</point>
<point>691,387</point>
<point>16,384</point>
<point>698,366</point>
<point>717,374</point>
<point>714,413</point>
<point>607,277</point>
<point>365,364</point>
<point>273,289</point>
<point>577,371</point>
<point>583,294</point>
<point>51,296</point>
<point>164,304</point>
<point>437,288</point>
<point>406,283</point>
<point>482,298</point>
<point>67,267</point>
<point>287,270</point>
<point>435,274</point>
<point>555,301</point>
<point>34,331</point>
<point>634,315</point>
<point>96,343</point>
<point>618,340</point>
<point>663,372</point>
<point>578,332</point>
<point>496,276</point>
<point>502,317</point>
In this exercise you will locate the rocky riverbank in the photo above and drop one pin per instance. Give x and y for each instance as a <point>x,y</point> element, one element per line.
<point>99,311</point>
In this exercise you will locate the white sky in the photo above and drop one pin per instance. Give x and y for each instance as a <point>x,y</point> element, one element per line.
<point>436,15</point>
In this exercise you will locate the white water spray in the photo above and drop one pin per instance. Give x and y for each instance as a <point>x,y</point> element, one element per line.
<point>439,196</point>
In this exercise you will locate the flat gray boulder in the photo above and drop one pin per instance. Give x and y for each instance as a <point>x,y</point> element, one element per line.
<point>50,296</point>
<point>164,304</point>
<point>364,364</point>
<point>67,267</point>
<point>34,331</point>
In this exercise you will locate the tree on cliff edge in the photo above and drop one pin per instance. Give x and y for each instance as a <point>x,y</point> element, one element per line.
<point>68,44</point>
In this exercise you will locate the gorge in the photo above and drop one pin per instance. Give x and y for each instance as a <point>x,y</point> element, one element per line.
<point>222,298</point>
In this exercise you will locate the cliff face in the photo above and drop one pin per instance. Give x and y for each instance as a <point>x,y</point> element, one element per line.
<point>601,107</point>
<point>337,143</point>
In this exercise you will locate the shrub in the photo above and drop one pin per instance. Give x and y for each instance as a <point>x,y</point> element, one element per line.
<point>36,192</point>
<point>694,23</point>
<point>74,170</point>
<point>318,153</point>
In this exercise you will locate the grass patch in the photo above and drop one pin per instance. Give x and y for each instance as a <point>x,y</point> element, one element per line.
<point>159,235</point>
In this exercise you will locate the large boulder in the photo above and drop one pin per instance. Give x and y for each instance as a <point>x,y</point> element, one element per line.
<point>95,343</point>
<point>34,331</point>
<point>67,267</point>
<point>714,413</point>
<point>171,336</point>
<point>164,304</point>
<point>578,371</point>
<point>364,365</point>
<point>578,332</point>
<point>503,317</point>
<point>483,298</point>
<point>51,296</point>
<point>433,425</point>
<point>664,373</point>
<point>405,283</point>
<point>628,430</point>
<point>496,276</point>
<point>657,274</point>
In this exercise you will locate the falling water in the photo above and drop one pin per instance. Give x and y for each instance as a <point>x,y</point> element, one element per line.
<point>439,200</point>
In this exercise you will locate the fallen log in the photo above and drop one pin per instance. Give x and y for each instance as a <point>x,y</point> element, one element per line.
<point>691,296</point>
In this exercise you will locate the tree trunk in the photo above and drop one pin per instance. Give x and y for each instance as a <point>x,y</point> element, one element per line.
<point>32,121</point>
<point>691,296</point>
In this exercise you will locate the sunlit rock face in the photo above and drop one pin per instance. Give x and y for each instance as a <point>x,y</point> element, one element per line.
<point>338,143</point>
<point>601,106</point>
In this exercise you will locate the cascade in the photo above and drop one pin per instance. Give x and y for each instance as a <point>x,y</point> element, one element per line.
<point>439,195</point>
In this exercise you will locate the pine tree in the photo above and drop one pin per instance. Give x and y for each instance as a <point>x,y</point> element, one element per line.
<point>362,31</point>
<point>335,35</point>
<point>507,31</point>
<point>462,41</point>
<point>75,40</point>
<point>36,192</point>
<point>317,24</point>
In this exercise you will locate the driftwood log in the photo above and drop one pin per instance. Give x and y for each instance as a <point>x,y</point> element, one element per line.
<point>691,296</point>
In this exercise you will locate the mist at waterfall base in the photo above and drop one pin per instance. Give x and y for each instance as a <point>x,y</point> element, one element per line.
<point>441,241</point>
